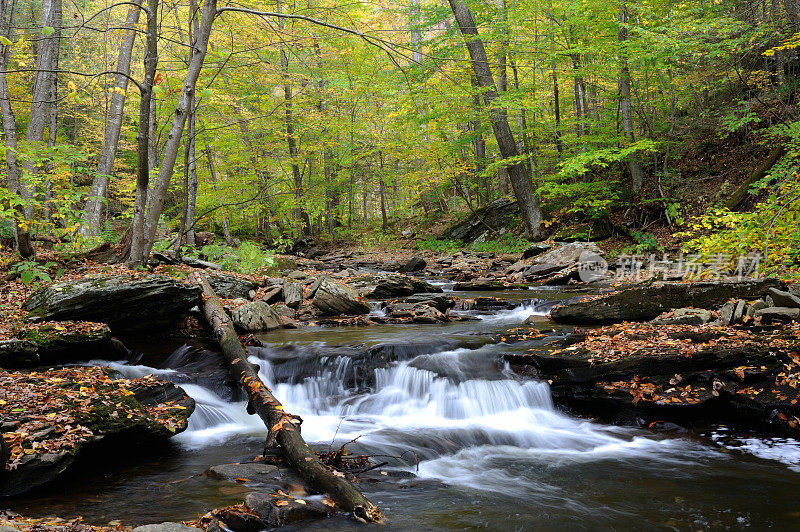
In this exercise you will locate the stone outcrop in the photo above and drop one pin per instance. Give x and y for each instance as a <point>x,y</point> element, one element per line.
<point>124,302</point>
<point>644,303</point>
<point>332,298</point>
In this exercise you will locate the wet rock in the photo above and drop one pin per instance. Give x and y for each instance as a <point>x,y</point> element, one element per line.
<point>644,303</point>
<point>392,266</point>
<point>417,312</point>
<point>66,341</point>
<point>165,527</point>
<point>440,302</point>
<point>684,316</point>
<point>254,471</point>
<point>16,353</point>
<point>414,264</point>
<point>535,249</point>
<point>229,286</point>
<point>332,298</point>
<point>384,286</point>
<point>264,505</point>
<point>778,314</point>
<point>255,316</point>
<point>480,286</point>
<point>292,294</point>
<point>124,302</point>
<point>781,298</point>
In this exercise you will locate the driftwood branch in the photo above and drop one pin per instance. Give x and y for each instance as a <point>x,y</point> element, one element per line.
<point>283,427</point>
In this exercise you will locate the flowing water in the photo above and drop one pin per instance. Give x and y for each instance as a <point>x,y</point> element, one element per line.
<point>487,447</point>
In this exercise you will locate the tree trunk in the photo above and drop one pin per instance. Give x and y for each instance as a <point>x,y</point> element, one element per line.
<point>21,236</point>
<point>226,232</point>
<point>105,162</point>
<point>637,173</point>
<point>520,181</point>
<point>138,246</point>
<point>283,427</point>
<point>156,200</point>
<point>43,81</point>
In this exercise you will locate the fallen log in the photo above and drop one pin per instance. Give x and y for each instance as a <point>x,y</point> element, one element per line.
<point>282,426</point>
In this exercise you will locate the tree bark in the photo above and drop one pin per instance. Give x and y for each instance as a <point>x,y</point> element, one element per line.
<point>226,232</point>
<point>637,173</point>
<point>144,138</point>
<point>105,162</point>
<point>155,202</point>
<point>21,236</point>
<point>520,180</point>
<point>283,427</point>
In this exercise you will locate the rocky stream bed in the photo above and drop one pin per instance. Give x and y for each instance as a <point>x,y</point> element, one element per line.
<point>463,378</point>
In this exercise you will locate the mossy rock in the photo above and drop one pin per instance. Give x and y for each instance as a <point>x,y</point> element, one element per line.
<point>587,232</point>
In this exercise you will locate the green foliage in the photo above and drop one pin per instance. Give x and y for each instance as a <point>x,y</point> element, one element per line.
<point>644,242</point>
<point>443,246</point>
<point>247,258</point>
<point>31,273</point>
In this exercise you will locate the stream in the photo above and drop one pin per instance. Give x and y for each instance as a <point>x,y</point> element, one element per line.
<point>487,447</point>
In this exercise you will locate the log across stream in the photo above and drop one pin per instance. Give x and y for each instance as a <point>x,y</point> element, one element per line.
<point>493,451</point>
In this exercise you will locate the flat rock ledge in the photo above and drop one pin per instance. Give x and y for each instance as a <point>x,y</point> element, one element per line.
<point>124,302</point>
<point>51,419</point>
<point>746,377</point>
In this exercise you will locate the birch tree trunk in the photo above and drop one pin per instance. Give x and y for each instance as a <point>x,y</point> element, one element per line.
<point>105,162</point>
<point>529,206</point>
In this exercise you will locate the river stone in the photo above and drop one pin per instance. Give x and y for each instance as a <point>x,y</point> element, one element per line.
<point>389,285</point>
<point>418,312</point>
<point>125,302</point>
<point>414,264</point>
<point>17,353</point>
<point>255,316</point>
<point>644,303</point>
<point>480,286</point>
<point>781,314</point>
<point>255,471</point>
<point>292,294</point>
<point>165,527</point>
<point>755,306</point>
<point>726,312</point>
<point>541,270</point>
<point>684,316</point>
<point>738,312</point>
<point>568,254</point>
<point>263,504</point>
<point>784,299</point>
<point>332,298</point>
<point>229,286</point>
<point>438,301</point>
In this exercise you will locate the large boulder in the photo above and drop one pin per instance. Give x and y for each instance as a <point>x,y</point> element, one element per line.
<point>124,302</point>
<point>383,286</point>
<point>230,286</point>
<point>483,222</point>
<point>644,303</point>
<point>255,316</point>
<point>55,417</point>
<point>332,298</point>
<point>569,254</point>
<point>414,264</point>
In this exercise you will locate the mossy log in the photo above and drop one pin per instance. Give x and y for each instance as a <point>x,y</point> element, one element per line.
<point>738,196</point>
<point>283,427</point>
